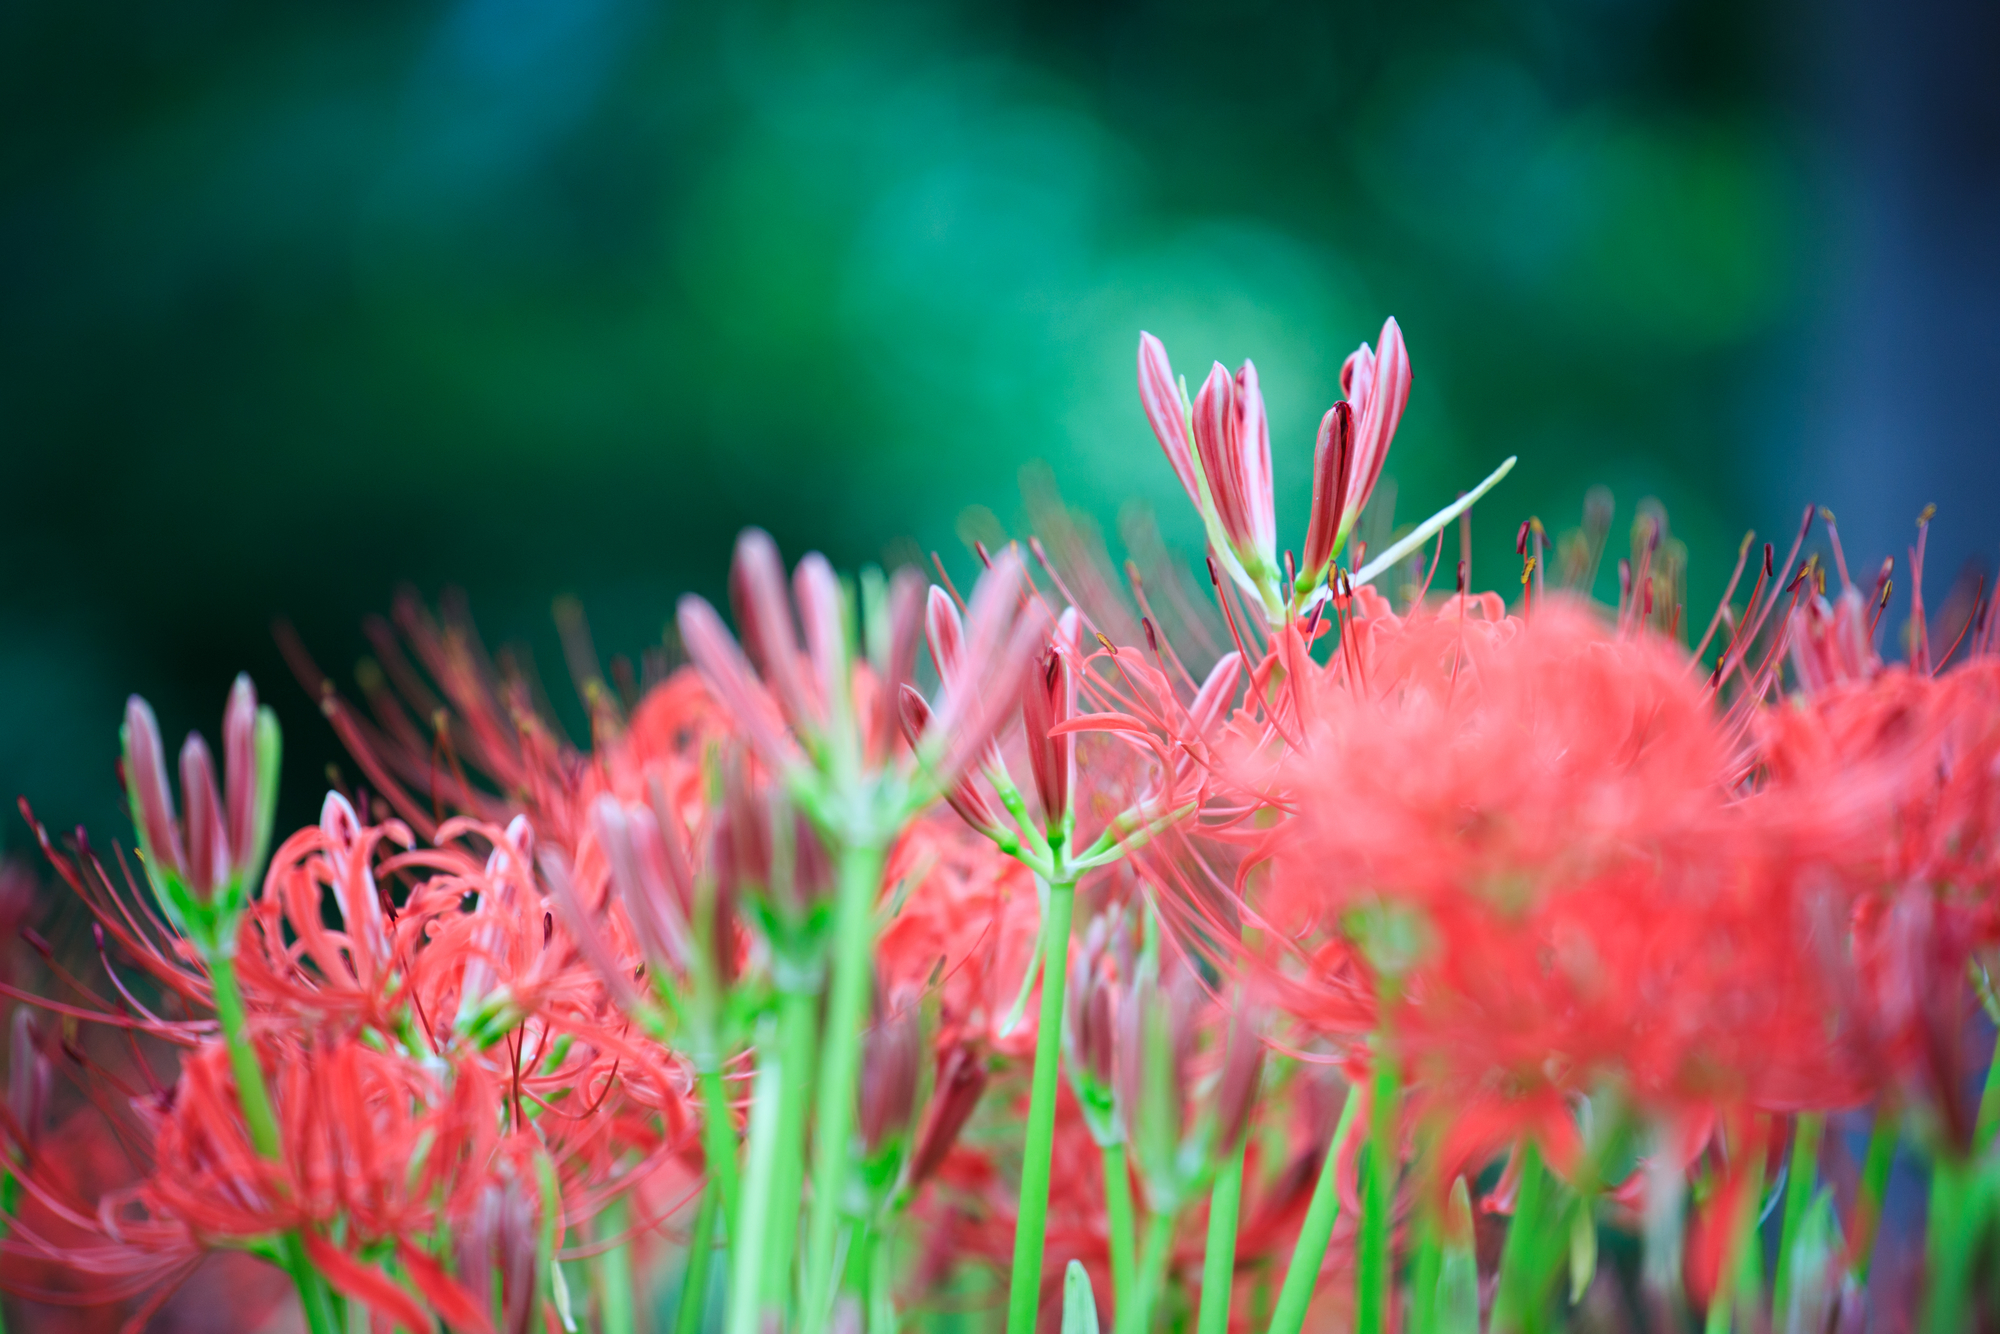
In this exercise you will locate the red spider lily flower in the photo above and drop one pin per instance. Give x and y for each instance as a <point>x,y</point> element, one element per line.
<point>1377,385</point>
<point>1531,832</point>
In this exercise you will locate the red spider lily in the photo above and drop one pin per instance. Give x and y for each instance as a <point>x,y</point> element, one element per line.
<point>1531,833</point>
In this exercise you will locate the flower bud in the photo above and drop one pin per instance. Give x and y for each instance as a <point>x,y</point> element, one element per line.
<point>1234,440</point>
<point>146,784</point>
<point>1242,1072</point>
<point>1333,458</point>
<point>961,1080</point>
<point>29,1078</point>
<point>207,864</point>
<point>1048,699</point>
<point>888,1090</point>
<point>1160,395</point>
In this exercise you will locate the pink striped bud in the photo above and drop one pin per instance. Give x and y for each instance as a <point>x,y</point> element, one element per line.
<point>207,864</point>
<point>1160,395</point>
<point>964,796</point>
<point>1333,457</point>
<point>1377,384</point>
<point>146,785</point>
<point>757,586</point>
<point>240,771</point>
<point>961,1081</point>
<point>1048,699</point>
<point>816,589</point>
<point>1234,440</point>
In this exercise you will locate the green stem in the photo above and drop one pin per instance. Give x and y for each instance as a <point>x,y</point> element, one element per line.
<point>700,1260</point>
<point>1425,1267</point>
<point>1742,1260</point>
<point>760,1170</point>
<point>1218,1261</point>
<point>798,1012</point>
<point>847,1009</point>
<point>1118,1221</point>
<point>1874,1186</point>
<point>1800,1179</point>
<point>1952,1230</point>
<point>881,1284</point>
<point>258,1117</point>
<point>1136,1316</point>
<point>614,1271</point>
<point>1031,1221</point>
<point>718,1136</point>
<point>1302,1275</point>
<point>1518,1303</point>
<point>1989,1104</point>
<point>1378,1191</point>
<point>261,1120</point>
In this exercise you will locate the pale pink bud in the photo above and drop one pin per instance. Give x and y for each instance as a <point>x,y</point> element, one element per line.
<point>207,837</point>
<point>1160,395</point>
<point>906,621</point>
<point>1003,630</point>
<point>1333,455</point>
<point>637,856</point>
<point>817,590</point>
<point>1048,699</point>
<point>965,795</point>
<point>29,1078</point>
<point>728,674</point>
<point>239,771</point>
<point>1235,443</point>
<point>146,780</point>
<point>757,583</point>
<point>1377,383</point>
<point>945,633</point>
<point>579,919</point>
<point>1242,1071</point>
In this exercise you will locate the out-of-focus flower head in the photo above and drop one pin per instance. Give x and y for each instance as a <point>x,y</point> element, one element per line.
<point>821,712</point>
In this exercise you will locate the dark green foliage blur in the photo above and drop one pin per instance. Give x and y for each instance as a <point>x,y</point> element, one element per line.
<point>305,298</point>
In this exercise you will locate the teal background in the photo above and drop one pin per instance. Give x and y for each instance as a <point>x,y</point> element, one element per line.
<point>545,297</point>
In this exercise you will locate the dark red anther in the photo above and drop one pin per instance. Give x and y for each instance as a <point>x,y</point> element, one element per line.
<point>1521,539</point>
<point>1768,570</point>
<point>1152,639</point>
<point>1464,573</point>
<point>985,556</point>
<point>1213,577</point>
<point>548,928</point>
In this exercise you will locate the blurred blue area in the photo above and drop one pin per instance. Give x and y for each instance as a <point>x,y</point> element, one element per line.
<point>543,297</point>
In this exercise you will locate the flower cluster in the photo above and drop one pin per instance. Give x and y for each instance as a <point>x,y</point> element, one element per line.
<point>1092,948</point>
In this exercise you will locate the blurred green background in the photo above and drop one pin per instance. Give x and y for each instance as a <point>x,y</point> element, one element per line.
<point>542,297</point>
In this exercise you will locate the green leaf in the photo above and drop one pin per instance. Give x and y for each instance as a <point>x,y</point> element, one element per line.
<point>1079,1303</point>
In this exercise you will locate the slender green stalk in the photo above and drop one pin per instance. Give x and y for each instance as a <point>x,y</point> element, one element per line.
<point>1874,1186</point>
<point>614,1272</point>
<point>760,1171</point>
<point>1218,1261</point>
<point>1518,1305</point>
<point>881,1284</point>
<point>1302,1275</point>
<point>1989,1105</point>
<point>258,1117</point>
<point>1136,1316</point>
<point>847,1009</point>
<point>1378,1191</point>
<point>1119,1222</point>
<point>700,1260</point>
<point>262,1122</point>
<point>1954,1224</point>
<point>797,1015</point>
<point>1425,1267</point>
<point>1800,1179</point>
<point>1742,1261</point>
<point>1024,1288</point>
<point>718,1137</point>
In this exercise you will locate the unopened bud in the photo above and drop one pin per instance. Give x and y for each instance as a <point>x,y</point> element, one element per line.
<point>961,1080</point>
<point>888,1090</point>
<point>207,865</point>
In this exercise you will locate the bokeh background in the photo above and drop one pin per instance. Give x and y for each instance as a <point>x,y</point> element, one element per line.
<point>301,299</point>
